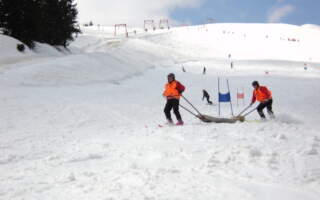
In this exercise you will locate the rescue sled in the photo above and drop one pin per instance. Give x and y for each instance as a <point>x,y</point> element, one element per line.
<point>211,119</point>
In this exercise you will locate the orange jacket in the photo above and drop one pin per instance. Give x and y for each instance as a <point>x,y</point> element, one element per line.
<point>261,94</point>
<point>173,90</point>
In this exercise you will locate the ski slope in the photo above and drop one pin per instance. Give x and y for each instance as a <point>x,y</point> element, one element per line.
<point>84,124</point>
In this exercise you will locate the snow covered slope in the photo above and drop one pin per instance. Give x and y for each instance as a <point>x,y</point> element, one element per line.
<point>246,41</point>
<point>85,125</point>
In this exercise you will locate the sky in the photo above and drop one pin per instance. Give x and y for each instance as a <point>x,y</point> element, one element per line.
<point>134,12</point>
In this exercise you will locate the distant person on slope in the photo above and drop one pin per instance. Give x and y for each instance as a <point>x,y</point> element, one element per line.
<point>264,96</point>
<point>173,91</point>
<point>183,69</point>
<point>207,96</point>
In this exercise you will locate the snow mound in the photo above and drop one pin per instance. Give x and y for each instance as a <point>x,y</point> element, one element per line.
<point>47,50</point>
<point>73,70</point>
<point>8,49</point>
<point>10,55</point>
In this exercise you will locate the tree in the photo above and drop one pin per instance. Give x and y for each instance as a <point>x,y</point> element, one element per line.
<point>60,22</point>
<point>48,21</point>
<point>20,19</point>
<point>69,21</point>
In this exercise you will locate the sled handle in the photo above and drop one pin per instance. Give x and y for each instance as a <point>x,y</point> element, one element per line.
<point>191,105</point>
<point>244,110</point>
<point>250,112</point>
<point>188,110</point>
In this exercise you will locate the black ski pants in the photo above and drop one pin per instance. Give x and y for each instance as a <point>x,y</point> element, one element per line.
<point>262,105</point>
<point>172,104</point>
<point>208,100</point>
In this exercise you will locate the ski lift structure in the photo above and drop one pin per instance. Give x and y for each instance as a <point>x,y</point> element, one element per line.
<point>164,23</point>
<point>149,24</point>
<point>122,27</point>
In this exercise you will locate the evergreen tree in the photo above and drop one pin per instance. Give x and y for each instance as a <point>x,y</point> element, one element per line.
<point>2,16</point>
<point>60,22</point>
<point>69,22</point>
<point>48,21</point>
<point>19,19</point>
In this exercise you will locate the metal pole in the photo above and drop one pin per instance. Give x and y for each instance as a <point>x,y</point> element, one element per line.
<point>187,110</point>
<point>219,93</point>
<point>127,34</point>
<point>243,96</point>
<point>244,110</point>
<point>237,97</point>
<point>230,97</point>
<point>250,112</point>
<point>191,104</point>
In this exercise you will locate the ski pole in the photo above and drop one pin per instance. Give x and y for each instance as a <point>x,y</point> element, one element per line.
<point>191,105</point>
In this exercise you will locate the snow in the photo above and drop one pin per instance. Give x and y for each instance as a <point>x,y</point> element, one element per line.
<point>84,124</point>
<point>8,50</point>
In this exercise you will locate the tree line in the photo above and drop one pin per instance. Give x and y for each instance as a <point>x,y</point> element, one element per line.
<point>47,21</point>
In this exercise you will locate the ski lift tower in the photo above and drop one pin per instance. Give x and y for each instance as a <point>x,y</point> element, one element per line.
<point>149,23</point>
<point>164,23</point>
<point>120,26</point>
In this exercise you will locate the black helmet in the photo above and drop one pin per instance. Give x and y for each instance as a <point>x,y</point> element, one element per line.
<point>255,83</point>
<point>171,75</point>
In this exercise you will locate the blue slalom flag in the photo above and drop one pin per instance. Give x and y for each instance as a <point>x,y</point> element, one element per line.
<point>224,97</point>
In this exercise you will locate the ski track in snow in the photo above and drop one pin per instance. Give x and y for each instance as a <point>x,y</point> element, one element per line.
<point>93,133</point>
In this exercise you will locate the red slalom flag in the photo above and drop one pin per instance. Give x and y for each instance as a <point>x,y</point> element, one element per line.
<point>240,95</point>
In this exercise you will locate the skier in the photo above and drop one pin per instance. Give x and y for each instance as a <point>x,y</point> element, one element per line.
<point>173,91</point>
<point>207,96</point>
<point>264,96</point>
<point>183,69</point>
<point>204,70</point>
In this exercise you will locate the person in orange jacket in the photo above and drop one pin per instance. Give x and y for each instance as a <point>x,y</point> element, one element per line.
<point>172,92</point>
<point>264,96</point>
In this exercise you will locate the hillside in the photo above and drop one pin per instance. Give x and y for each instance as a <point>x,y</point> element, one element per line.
<point>84,124</point>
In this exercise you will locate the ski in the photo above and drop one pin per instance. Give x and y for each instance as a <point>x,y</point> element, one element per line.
<point>168,125</point>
